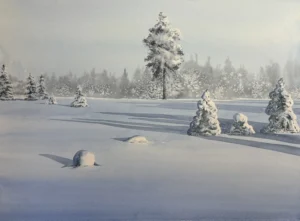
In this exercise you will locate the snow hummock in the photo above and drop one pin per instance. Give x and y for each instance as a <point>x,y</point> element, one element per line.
<point>137,140</point>
<point>206,120</point>
<point>282,118</point>
<point>52,100</point>
<point>240,125</point>
<point>83,158</point>
<point>80,100</point>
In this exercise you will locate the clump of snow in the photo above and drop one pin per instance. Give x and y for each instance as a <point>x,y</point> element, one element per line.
<point>83,158</point>
<point>138,140</point>
<point>80,100</point>
<point>240,125</point>
<point>206,120</point>
<point>282,118</point>
<point>52,100</point>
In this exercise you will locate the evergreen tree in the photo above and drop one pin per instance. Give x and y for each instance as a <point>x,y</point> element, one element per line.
<point>6,90</point>
<point>80,100</point>
<point>282,117</point>
<point>124,85</point>
<point>226,78</point>
<point>31,89</point>
<point>42,89</point>
<point>165,53</point>
<point>205,122</point>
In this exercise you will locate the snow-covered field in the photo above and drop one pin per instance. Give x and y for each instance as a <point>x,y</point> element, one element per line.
<point>174,177</point>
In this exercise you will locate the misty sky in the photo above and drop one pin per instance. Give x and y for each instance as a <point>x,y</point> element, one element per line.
<point>77,35</point>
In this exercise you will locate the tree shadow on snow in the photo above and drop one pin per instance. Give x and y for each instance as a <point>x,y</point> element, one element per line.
<point>62,160</point>
<point>176,129</point>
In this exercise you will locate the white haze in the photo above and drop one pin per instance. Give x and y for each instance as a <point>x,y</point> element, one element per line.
<point>58,36</point>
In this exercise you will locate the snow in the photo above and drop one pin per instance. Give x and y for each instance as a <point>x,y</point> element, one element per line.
<point>175,177</point>
<point>240,125</point>
<point>138,140</point>
<point>83,158</point>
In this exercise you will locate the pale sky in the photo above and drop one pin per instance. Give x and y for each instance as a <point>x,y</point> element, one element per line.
<point>77,35</point>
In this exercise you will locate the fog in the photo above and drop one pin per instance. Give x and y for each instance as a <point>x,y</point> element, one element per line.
<point>59,36</point>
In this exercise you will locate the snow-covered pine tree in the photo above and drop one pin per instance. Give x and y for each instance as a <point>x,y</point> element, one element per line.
<point>6,90</point>
<point>205,122</point>
<point>282,118</point>
<point>80,100</point>
<point>165,53</point>
<point>52,100</point>
<point>124,86</point>
<point>42,89</point>
<point>240,125</point>
<point>31,94</point>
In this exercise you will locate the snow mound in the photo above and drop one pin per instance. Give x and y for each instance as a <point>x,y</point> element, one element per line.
<point>240,125</point>
<point>83,158</point>
<point>138,140</point>
<point>52,100</point>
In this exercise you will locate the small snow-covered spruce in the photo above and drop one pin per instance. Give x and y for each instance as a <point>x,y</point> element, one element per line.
<point>240,125</point>
<point>52,100</point>
<point>282,118</point>
<point>31,94</point>
<point>205,122</point>
<point>165,53</point>
<point>42,89</point>
<point>6,90</point>
<point>84,158</point>
<point>80,100</point>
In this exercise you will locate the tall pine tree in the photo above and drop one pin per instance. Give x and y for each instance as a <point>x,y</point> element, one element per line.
<point>165,53</point>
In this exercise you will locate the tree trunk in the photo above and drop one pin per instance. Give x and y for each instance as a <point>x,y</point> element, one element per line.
<point>164,97</point>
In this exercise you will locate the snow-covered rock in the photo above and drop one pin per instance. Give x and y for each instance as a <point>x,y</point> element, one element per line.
<point>240,125</point>
<point>137,140</point>
<point>282,118</point>
<point>83,158</point>
<point>206,120</point>
<point>80,100</point>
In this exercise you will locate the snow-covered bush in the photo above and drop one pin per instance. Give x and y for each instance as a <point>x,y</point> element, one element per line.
<point>206,120</point>
<point>6,90</point>
<point>52,100</point>
<point>282,117</point>
<point>31,94</point>
<point>80,100</point>
<point>240,125</point>
<point>83,158</point>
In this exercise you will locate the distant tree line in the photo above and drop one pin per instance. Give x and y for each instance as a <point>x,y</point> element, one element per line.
<point>165,75</point>
<point>223,81</point>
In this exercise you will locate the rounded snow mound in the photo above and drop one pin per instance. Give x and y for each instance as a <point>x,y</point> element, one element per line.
<point>137,140</point>
<point>239,117</point>
<point>240,125</point>
<point>84,158</point>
